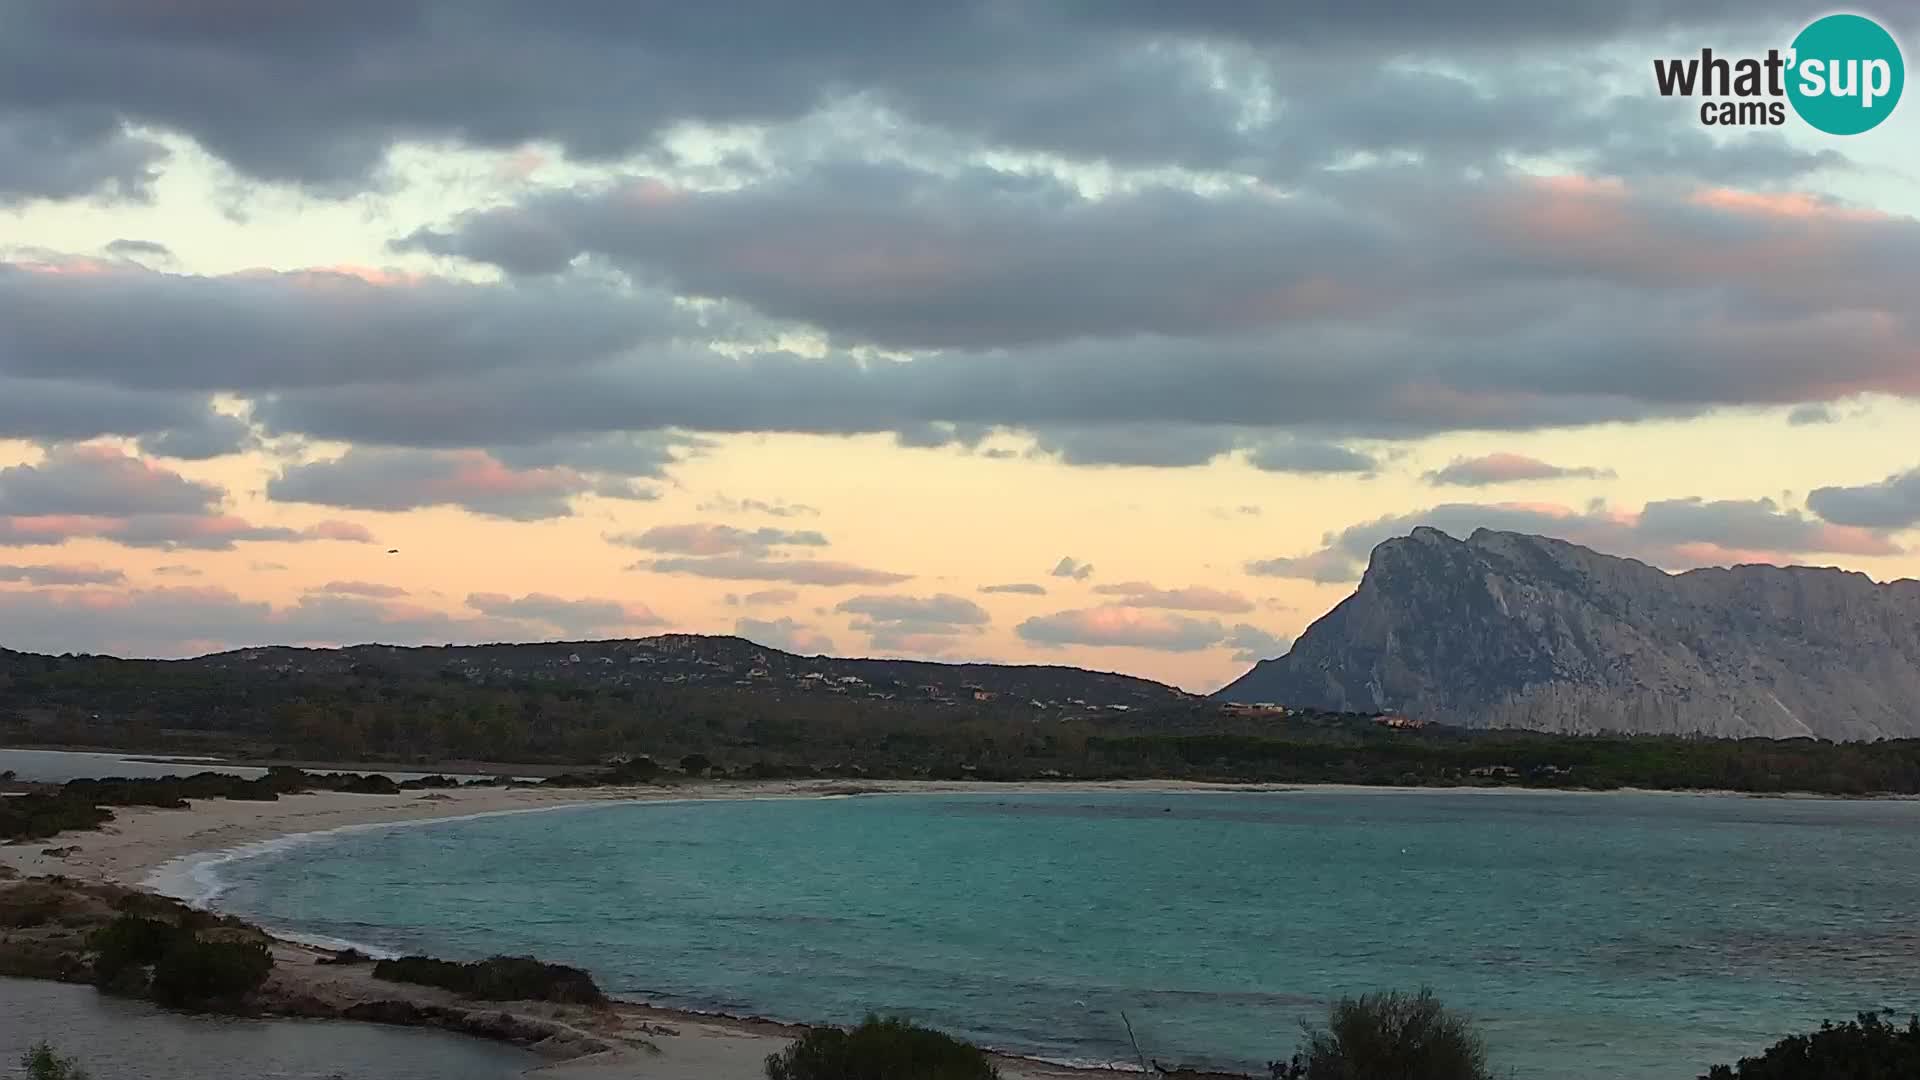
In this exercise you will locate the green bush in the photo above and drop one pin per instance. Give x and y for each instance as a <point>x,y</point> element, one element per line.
<point>889,1049</point>
<point>200,974</point>
<point>130,942</point>
<point>502,978</point>
<point>43,1063</point>
<point>1390,1036</point>
<point>1868,1048</point>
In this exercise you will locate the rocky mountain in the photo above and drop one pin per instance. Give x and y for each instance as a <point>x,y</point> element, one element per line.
<point>1509,630</point>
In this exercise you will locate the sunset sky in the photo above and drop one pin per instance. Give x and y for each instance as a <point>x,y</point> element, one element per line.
<point>1106,333</point>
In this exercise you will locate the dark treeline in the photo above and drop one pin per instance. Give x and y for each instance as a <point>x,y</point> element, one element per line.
<point>418,719</point>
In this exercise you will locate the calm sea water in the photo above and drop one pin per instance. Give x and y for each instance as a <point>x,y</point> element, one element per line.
<point>115,1039</point>
<point>1599,936</point>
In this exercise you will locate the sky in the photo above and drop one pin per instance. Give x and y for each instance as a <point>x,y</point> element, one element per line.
<point>1094,332</point>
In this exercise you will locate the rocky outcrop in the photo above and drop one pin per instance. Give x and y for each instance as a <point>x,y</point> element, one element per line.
<point>1509,630</point>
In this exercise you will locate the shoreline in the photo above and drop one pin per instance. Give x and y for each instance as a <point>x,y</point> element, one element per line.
<point>171,852</point>
<point>174,852</point>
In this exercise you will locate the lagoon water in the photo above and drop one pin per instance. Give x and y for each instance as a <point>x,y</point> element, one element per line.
<point>1595,936</point>
<point>114,1038</point>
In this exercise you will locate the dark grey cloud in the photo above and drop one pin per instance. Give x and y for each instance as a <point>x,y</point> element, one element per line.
<point>1251,644</point>
<point>395,479</point>
<point>1296,455</point>
<point>64,153</point>
<point>61,575</point>
<point>756,568</point>
<point>1021,588</point>
<point>99,481</point>
<point>1207,85</point>
<point>217,435</point>
<point>132,248</point>
<point>1070,567</point>
<point>1671,533</point>
<point>62,410</point>
<point>264,330</point>
<point>572,617</point>
<point>1503,468</point>
<point>1356,311</point>
<point>1893,503</point>
<point>1805,415</point>
<point>178,570</point>
<point>707,538</point>
<point>1191,598</point>
<point>784,634</point>
<point>638,454</point>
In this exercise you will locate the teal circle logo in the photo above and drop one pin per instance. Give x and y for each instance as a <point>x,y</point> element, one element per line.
<point>1847,74</point>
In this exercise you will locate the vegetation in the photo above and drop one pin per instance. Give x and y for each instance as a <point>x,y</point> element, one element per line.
<point>502,978</point>
<point>1868,1048</point>
<point>175,965</point>
<point>1389,1036</point>
<point>407,710</point>
<point>44,1063</point>
<point>880,1049</point>
<point>80,804</point>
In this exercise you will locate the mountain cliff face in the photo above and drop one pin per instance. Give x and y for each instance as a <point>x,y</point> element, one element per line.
<point>1507,630</point>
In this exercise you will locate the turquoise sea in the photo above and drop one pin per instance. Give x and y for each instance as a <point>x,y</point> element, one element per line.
<point>1594,936</point>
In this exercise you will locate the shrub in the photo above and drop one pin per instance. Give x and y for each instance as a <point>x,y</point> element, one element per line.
<point>199,974</point>
<point>889,1049</point>
<point>1868,1048</point>
<point>502,978</point>
<point>43,1063</point>
<point>1390,1036</point>
<point>695,764</point>
<point>130,942</point>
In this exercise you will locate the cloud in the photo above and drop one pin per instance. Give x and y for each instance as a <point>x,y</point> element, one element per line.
<point>186,621</point>
<point>1069,567</point>
<point>1018,587</point>
<point>178,570</point>
<point>390,479</point>
<point>1135,84</point>
<point>923,625</point>
<point>784,634</point>
<point>363,588</point>
<point>702,538</point>
<point>1671,533</point>
<point>754,568</point>
<point>72,152</point>
<point>99,492</point>
<point>218,436</point>
<point>1251,644</point>
<point>1893,503</point>
<point>100,481</point>
<point>1327,567</point>
<point>1122,627</point>
<point>1504,468</point>
<point>1191,598</point>
<point>776,508</point>
<point>576,617</point>
<point>942,613</point>
<point>763,598</point>
<point>62,575</point>
<point>128,248</point>
<point>1806,415</point>
<point>1294,455</point>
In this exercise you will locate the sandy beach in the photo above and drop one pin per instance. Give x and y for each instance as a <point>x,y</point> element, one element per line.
<point>145,847</point>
